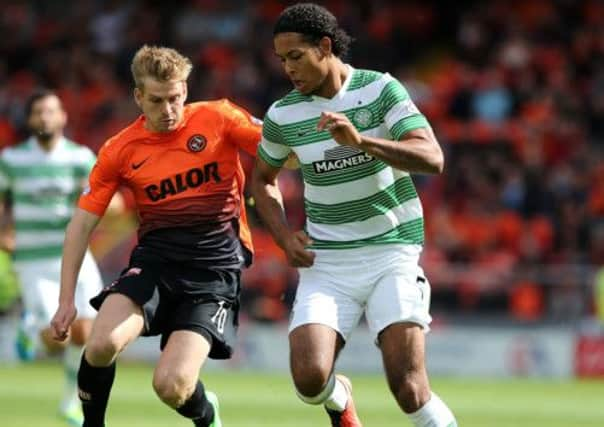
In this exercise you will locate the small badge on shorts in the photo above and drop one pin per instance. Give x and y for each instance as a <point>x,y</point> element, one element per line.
<point>197,143</point>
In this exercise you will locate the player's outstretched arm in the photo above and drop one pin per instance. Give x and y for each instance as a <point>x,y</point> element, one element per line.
<point>269,204</point>
<point>77,236</point>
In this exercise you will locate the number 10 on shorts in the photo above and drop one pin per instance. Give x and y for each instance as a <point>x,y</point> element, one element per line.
<point>220,317</point>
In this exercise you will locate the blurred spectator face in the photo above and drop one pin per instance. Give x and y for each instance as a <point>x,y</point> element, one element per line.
<point>47,118</point>
<point>305,64</point>
<point>162,103</point>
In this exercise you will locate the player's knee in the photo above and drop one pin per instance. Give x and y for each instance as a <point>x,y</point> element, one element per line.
<point>313,394</point>
<point>310,378</point>
<point>411,393</point>
<point>101,351</point>
<point>172,389</point>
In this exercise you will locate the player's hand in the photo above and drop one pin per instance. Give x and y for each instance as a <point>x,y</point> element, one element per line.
<point>62,320</point>
<point>340,128</point>
<point>295,249</point>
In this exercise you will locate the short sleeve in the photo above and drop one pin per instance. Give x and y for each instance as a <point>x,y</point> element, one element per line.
<point>273,149</point>
<point>400,113</point>
<point>244,130</point>
<point>102,182</point>
<point>5,179</point>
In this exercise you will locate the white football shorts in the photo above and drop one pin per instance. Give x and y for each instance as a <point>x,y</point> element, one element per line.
<point>383,281</point>
<point>40,284</point>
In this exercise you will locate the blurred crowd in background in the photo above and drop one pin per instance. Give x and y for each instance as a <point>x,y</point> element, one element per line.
<point>513,89</point>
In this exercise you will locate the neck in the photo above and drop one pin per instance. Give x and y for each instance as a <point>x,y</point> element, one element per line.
<point>338,72</point>
<point>49,144</point>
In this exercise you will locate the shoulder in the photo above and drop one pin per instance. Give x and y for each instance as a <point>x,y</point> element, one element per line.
<point>21,150</point>
<point>116,143</point>
<point>364,78</point>
<point>113,146</point>
<point>78,150</point>
<point>292,98</point>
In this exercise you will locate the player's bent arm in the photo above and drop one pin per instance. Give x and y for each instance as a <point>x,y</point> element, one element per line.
<point>418,151</point>
<point>77,236</point>
<point>269,201</point>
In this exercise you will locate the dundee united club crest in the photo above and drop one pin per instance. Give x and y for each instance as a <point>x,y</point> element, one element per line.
<point>197,143</point>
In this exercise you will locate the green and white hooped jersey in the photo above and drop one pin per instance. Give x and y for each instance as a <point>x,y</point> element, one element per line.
<point>45,187</point>
<point>351,198</point>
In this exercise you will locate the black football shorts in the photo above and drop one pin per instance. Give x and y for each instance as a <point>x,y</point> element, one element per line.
<point>176,297</point>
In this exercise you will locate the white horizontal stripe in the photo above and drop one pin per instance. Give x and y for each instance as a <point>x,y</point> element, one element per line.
<point>38,184</point>
<point>374,226</point>
<point>276,151</point>
<point>400,111</point>
<point>27,212</point>
<point>38,238</point>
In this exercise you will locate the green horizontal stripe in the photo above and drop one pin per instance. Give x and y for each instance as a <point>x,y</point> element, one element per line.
<point>392,94</point>
<point>271,131</point>
<point>38,200</point>
<point>54,251</point>
<point>46,171</point>
<point>359,210</point>
<point>277,163</point>
<point>305,132</point>
<point>53,225</point>
<point>362,78</point>
<point>343,175</point>
<point>407,124</point>
<point>294,97</point>
<point>410,232</point>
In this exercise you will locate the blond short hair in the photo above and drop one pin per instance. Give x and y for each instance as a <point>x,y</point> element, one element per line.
<point>160,63</point>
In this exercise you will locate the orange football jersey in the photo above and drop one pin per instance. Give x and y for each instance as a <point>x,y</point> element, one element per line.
<point>187,183</point>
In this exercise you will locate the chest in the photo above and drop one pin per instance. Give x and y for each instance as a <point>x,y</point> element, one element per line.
<point>190,163</point>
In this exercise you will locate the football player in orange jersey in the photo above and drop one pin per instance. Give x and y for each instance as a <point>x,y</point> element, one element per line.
<point>182,164</point>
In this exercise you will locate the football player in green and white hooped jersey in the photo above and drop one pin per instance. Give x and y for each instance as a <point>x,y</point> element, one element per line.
<point>357,136</point>
<point>43,177</point>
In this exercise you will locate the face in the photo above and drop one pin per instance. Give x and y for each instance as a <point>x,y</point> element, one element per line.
<point>162,103</point>
<point>47,118</point>
<point>305,64</point>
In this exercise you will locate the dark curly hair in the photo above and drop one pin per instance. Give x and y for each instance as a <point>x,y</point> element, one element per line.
<point>314,22</point>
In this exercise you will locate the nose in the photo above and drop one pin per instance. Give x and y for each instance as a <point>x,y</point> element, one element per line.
<point>289,70</point>
<point>166,108</point>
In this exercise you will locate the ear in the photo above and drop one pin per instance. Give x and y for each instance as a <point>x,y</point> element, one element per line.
<point>138,97</point>
<point>325,46</point>
<point>185,90</point>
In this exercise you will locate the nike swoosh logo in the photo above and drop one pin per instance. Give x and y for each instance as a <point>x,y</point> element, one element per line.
<point>302,132</point>
<point>139,164</point>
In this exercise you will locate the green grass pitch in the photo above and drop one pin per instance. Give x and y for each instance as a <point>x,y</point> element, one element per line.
<point>29,396</point>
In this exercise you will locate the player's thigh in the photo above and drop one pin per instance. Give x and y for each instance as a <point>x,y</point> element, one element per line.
<point>119,322</point>
<point>321,299</point>
<point>402,294</point>
<point>181,360</point>
<point>403,354</point>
